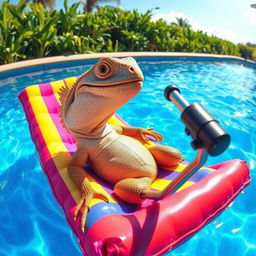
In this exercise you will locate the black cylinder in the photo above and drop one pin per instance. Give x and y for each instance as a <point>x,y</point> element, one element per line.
<point>169,89</point>
<point>205,129</point>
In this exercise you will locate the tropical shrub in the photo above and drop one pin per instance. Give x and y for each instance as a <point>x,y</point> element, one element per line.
<point>247,51</point>
<point>30,31</point>
<point>13,34</point>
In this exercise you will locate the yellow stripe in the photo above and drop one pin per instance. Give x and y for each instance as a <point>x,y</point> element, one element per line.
<point>161,184</point>
<point>115,121</point>
<point>55,145</point>
<point>58,84</point>
<point>181,167</point>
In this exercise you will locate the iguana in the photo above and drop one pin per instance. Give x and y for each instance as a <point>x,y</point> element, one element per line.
<point>116,154</point>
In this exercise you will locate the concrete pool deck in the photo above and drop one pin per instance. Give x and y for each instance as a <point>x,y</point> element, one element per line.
<point>42,64</point>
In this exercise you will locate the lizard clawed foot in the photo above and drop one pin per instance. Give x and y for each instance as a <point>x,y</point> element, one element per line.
<point>83,205</point>
<point>140,133</point>
<point>149,131</point>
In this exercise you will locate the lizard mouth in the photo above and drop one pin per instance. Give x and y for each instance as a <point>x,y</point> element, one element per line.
<point>113,84</point>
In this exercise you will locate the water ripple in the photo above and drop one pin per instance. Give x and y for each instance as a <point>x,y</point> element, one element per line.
<point>32,222</point>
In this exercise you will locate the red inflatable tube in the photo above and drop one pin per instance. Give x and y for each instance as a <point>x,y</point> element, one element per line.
<point>164,225</point>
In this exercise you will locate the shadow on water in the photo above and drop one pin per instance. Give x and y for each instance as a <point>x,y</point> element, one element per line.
<point>31,220</point>
<point>15,208</point>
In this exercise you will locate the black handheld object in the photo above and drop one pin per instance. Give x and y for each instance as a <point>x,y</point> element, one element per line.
<point>204,129</point>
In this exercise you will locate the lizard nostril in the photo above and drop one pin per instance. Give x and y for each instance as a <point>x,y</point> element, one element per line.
<point>131,70</point>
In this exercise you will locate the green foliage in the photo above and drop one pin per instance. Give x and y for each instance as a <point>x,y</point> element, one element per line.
<point>41,23</point>
<point>184,23</point>
<point>31,31</point>
<point>247,51</point>
<point>12,33</point>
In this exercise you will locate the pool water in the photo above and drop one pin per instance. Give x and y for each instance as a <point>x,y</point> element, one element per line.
<point>31,222</point>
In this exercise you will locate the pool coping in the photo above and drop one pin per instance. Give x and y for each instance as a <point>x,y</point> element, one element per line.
<point>42,64</point>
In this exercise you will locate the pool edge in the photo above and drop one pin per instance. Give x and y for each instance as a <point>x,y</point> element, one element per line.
<point>42,64</point>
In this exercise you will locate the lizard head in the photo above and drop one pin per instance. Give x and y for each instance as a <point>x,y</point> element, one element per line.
<point>109,72</point>
<point>98,93</point>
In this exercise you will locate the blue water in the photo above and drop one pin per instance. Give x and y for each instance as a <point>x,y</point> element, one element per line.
<point>31,222</point>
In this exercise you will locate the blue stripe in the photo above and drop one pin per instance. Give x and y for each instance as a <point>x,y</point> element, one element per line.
<point>171,175</point>
<point>104,209</point>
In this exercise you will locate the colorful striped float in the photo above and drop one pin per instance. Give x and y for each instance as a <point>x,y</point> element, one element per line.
<point>117,228</point>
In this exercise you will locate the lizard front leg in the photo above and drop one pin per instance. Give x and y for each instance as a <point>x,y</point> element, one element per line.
<point>78,176</point>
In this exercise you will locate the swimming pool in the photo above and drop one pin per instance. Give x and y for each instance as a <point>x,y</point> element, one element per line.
<point>33,224</point>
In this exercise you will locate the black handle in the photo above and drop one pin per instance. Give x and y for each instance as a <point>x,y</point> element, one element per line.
<point>204,129</point>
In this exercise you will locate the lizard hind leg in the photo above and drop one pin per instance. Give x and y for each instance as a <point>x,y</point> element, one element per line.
<point>166,156</point>
<point>130,189</point>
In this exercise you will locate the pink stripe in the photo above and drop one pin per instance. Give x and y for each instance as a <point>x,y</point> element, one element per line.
<point>53,109</point>
<point>59,188</point>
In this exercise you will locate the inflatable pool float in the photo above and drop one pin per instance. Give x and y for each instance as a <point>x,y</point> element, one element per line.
<point>118,228</point>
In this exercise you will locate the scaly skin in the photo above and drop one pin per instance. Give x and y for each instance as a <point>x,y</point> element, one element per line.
<point>116,154</point>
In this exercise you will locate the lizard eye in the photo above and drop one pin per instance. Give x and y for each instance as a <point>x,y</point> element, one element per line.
<point>105,68</point>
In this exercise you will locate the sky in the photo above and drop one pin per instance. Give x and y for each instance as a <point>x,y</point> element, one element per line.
<point>233,20</point>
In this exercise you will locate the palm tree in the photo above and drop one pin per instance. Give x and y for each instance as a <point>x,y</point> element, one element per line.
<point>46,3</point>
<point>181,22</point>
<point>89,5</point>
